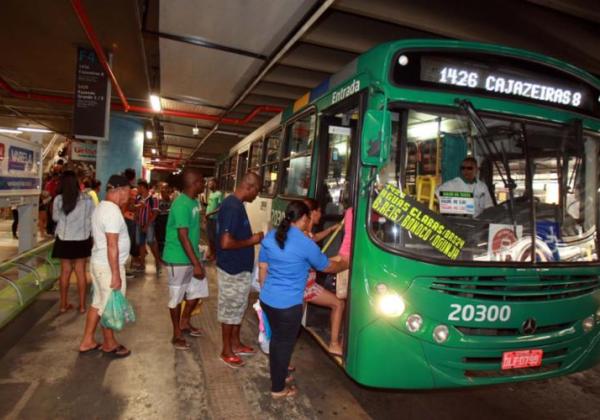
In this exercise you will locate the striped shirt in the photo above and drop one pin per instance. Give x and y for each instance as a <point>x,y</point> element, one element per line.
<point>149,204</point>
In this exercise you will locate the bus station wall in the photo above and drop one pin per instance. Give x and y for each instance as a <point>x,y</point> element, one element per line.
<point>123,150</point>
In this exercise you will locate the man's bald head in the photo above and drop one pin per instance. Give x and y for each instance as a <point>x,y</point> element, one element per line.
<point>251,179</point>
<point>192,181</point>
<point>249,187</point>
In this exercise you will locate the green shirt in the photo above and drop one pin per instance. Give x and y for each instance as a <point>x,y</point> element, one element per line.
<point>184,213</point>
<point>213,202</point>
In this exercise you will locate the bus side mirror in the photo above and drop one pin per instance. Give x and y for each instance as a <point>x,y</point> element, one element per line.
<point>377,129</point>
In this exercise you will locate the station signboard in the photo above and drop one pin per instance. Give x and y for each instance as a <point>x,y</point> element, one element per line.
<point>92,97</point>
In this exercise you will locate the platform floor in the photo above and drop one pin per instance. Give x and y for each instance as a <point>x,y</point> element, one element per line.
<point>42,376</point>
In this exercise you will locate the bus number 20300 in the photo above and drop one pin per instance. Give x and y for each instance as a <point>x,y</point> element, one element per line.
<point>479,313</point>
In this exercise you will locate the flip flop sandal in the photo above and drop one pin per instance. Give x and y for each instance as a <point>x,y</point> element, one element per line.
<point>334,353</point>
<point>180,344</point>
<point>91,349</point>
<point>65,309</point>
<point>193,332</point>
<point>118,352</point>
<point>245,351</point>
<point>232,361</point>
<point>288,392</point>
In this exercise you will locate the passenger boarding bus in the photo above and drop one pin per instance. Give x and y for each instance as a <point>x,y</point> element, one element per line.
<point>448,286</point>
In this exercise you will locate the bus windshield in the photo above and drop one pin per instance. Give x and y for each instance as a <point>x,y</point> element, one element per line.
<point>496,190</point>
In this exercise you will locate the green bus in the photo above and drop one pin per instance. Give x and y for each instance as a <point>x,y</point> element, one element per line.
<point>453,281</point>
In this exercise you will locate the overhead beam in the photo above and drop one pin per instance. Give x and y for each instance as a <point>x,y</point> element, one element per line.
<point>205,43</point>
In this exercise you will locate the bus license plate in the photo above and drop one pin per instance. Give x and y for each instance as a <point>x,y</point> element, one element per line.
<point>522,359</point>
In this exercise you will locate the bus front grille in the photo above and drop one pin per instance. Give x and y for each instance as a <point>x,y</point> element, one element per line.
<point>511,372</point>
<point>511,289</point>
<point>495,332</point>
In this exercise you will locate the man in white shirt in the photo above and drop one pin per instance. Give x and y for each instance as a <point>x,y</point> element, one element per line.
<point>107,264</point>
<point>479,196</point>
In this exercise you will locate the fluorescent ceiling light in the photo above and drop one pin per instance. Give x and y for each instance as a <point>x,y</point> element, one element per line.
<point>155,102</point>
<point>34,130</point>
<point>149,134</point>
<point>9,131</point>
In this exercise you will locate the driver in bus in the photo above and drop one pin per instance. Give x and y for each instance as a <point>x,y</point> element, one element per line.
<point>478,198</point>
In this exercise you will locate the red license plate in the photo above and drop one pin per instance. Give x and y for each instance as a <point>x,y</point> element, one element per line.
<point>522,359</point>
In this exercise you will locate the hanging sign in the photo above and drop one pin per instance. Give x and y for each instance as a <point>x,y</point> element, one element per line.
<point>92,97</point>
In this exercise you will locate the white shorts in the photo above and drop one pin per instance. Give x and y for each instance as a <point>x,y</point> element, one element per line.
<point>101,279</point>
<point>183,285</point>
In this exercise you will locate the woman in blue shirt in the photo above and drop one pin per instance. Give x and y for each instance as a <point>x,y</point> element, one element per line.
<point>285,257</point>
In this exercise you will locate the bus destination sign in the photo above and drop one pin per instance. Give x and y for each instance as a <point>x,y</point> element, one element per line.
<point>505,82</point>
<point>495,76</point>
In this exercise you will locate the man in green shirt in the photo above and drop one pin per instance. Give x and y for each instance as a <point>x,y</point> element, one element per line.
<point>182,256</point>
<point>215,197</point>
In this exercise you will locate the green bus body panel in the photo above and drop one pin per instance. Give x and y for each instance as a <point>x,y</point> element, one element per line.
<point>381,352</point>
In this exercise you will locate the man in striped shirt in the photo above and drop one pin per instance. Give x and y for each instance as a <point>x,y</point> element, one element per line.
<point>147,211</point>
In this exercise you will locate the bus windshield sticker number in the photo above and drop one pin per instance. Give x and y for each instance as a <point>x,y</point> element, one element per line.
<point>418,221</point>
<point>479,313</point>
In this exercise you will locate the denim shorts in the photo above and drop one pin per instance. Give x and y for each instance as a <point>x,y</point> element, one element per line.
<point>143,238</point>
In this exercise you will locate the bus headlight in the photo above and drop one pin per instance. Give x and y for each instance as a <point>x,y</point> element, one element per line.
<point>414,322</point>
<point>588,323</point>
<point>390,305</point>
<point>440,334</point>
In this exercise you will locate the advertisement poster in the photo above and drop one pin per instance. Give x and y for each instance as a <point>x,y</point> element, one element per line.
<point>83,151</point>
<point>20,168</point>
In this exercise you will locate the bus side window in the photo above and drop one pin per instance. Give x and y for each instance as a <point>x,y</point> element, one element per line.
<point>297,157</point>
<point>255,158</point>
<point>269,169</point>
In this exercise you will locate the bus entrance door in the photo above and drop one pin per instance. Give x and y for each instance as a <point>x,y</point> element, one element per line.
<point>334,191</point>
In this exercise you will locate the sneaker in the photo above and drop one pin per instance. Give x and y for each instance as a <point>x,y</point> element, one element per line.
<point>129,274</point>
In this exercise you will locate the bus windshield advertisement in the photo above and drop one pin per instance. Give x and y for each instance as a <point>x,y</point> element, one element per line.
<point>524,186</point>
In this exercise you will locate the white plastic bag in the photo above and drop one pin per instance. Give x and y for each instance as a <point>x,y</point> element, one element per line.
<point>255,285</point>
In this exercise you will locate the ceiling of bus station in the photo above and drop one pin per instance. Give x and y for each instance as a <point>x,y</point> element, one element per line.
<point>225,57</point>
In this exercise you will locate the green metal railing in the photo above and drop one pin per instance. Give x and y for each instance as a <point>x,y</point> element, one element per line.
<point>24,277</point>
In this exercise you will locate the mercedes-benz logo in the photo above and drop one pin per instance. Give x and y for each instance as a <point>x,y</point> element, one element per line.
<point>529,326</point>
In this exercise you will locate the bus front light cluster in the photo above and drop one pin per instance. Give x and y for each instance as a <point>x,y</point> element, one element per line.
<point>440,334</point>
<point>389,303</point>
<point>414,322</point>
<point>588,323</point>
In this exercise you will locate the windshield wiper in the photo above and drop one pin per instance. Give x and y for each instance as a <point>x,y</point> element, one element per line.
<point>489,147</point>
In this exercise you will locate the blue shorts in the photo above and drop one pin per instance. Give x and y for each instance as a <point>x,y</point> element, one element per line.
<point>143,238</point>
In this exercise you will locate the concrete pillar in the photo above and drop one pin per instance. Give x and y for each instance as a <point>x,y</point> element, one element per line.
<point>27,229</point>
<point>124,149</point>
